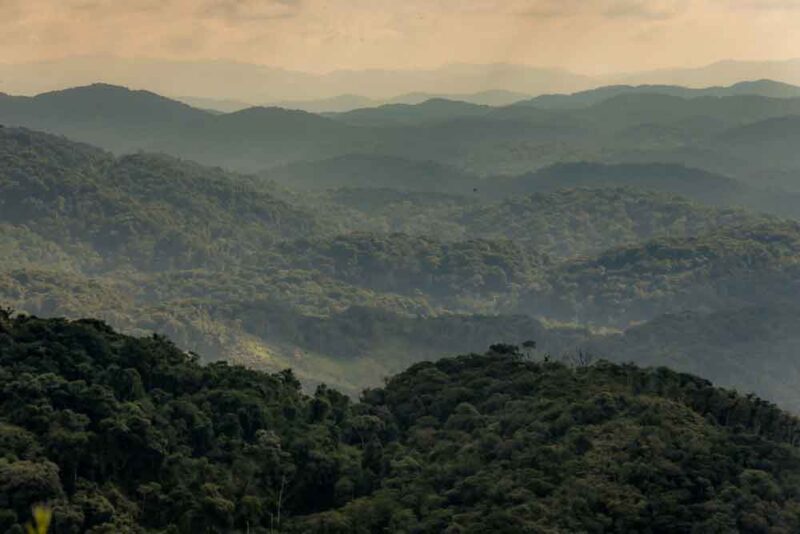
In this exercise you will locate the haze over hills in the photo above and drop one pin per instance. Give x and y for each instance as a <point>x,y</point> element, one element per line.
<point>343,103</point>
<point>764,87</point>
<point>263,85</point>
<point>369,241</point>
<point>719,73</point>
<point>373,267</point>
<point>486,140</point>
<point>352,268</point>
<point>749,345</point>
<point>498,98</point>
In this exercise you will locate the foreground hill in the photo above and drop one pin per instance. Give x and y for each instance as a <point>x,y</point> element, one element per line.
<point>132,435</point>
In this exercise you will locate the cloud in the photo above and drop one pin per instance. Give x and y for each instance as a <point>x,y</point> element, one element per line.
<point>322,35</point>
<point>646,9</point>
<point>250,10</point>
<point>634,9</point>
<point>768,5</point>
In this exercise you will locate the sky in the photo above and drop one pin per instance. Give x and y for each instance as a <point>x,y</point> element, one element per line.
<point>585,36</point>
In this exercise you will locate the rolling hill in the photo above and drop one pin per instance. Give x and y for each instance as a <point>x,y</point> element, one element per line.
<point>727,267</point>
<point>132,434</point>
<point>475,138</point>
<point>766,88</point>
<point>752,349</point>
<point>374,172</point>
<point>153,211</point>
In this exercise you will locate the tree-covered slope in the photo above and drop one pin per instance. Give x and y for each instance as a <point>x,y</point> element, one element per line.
<point>752,349</point>
<point>350,285</point>
<point>562,223</point>
<point>152,211</point>
<point>119,434</point>
<point>411,264</point>
<point>755,190</point>
<point>116,118</point>
<point>497,444</point>
<point>374,172</point>
<point>129,435</point>
<point>722,268</point>
<point>697,184</point>
<point>570,222</point>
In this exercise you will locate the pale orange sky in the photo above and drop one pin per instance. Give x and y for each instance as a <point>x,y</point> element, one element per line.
<point>588,36</point>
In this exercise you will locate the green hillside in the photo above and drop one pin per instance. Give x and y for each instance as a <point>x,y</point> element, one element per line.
<point>120,434</point>
<point>349,285</point>
<point>151,211</point>
<point>726,267</point>
<point>753,349</point>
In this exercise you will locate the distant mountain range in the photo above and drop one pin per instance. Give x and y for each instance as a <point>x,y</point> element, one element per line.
<point>766,88</point>
<point>719,73</point>
<point>258,84</point>
<point>343,103</point>
<point>497,98</point>
<point>236,83</point>
<point>743,131</point>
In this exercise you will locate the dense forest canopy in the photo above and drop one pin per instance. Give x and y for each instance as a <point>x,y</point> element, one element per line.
<point>320,275</point>
<point>122,434</point>
<point>646,226</point>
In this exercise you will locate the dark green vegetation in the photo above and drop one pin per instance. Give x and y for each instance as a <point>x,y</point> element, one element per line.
<point>123,435</point>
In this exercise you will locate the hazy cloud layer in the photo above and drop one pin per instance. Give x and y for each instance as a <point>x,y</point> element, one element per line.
<point>322,35</point>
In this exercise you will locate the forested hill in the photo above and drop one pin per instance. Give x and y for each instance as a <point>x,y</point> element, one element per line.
<point>752,348</point>
<point>723,268</point>
<point>350,285</point>
<point>152,211</point>
<point>125,435</point>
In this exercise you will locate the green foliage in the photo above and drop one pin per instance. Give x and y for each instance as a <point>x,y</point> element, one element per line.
<point>132,434</point>
<point>119,434</point>
<point>150,212</point>
<point>494,443</point>
<point>752,349</point>
<point>722,268</point>
<point>349,285</point>
<point>407,264</point>
<point>575,222</point>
